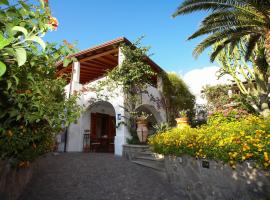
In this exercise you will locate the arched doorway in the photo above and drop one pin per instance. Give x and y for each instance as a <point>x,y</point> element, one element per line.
<point>154,117</point>
<point>102,127</point>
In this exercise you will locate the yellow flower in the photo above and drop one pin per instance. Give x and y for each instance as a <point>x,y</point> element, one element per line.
<point>260,146</point>
<point>246,147</point>
<point>242,133</point>
<point>265,156</point>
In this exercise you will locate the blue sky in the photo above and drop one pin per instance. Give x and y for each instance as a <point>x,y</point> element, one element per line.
<point>91,22</point>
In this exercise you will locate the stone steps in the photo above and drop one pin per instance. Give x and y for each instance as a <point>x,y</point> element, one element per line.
<point>142,155</point>
<point>149,158</point>
<point>155,166</point>
<point>149,155</point>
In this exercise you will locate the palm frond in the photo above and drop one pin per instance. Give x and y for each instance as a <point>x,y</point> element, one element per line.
<point>232,45</point>
<point>251,45</point>
<point>261,6</point>
<point>189,6</point>
<point>233,16</point>
<point>229,22</point>
<point>219,48</point>
<point>209,30</point>
<point>219,36</point>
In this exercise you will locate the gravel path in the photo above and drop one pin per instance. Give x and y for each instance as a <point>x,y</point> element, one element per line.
<point>97,176</point>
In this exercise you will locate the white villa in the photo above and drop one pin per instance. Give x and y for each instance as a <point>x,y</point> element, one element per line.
<point>101,124</point>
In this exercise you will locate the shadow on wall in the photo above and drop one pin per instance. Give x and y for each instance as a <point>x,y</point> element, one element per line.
<point>202,179</point>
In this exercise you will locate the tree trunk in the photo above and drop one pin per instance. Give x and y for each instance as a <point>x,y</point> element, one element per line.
<point>267,46</point>
<point>265,99</point>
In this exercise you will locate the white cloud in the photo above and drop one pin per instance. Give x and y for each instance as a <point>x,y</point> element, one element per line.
<point>197,78</point>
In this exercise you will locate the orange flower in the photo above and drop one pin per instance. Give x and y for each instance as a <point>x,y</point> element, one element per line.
<point>53,23</point>
<point>9,132</point>
<point>246,147</point>
<point>69,45</point>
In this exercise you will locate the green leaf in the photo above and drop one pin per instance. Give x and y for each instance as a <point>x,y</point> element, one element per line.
<point>3,68</point>
<point>66,62</point>
<point>42,3</point>
<point>9,84</point>
<point>20,105</point>
<point>19,117</point>
<point>20,56</point>
<point>30,77</point>
<point>38,40</point>
<point>5,2</point>
<point>16,79</point>
<point>20,29</point>
<point>4,42</point>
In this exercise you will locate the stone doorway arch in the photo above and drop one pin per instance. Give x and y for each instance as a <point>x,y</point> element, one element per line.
<point>99,121</point>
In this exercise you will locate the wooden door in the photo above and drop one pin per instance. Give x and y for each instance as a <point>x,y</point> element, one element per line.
<point>93,125</point>
<point>111,127</point>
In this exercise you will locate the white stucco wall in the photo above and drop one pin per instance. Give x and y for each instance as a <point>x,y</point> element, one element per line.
<point>76,131</point>
<point>156,105</point>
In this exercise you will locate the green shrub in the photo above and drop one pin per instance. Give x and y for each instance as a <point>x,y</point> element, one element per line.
<point>177,97</point>
<point>230,140</point>
<point>162,127</point>
<point>33,107</point>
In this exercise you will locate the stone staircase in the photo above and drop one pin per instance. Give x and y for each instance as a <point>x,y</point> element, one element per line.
<point>145,157</point>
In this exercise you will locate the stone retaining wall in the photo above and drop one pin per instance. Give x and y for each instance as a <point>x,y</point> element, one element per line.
<point>197,179</point>
<point>13,181</point>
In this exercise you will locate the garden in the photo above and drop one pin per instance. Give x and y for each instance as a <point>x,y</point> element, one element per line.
<point>227,153</point>
<point>236,133</point>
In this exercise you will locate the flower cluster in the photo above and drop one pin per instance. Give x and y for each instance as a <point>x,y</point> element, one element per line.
<point>53,23</point>
<point>231,141</point>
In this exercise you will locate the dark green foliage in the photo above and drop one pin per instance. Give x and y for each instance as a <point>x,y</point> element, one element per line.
<point>32,99</point>
<point>162,127</point>
<point>216,96</point>
<point>218,99</point>
<point>134,139</point>
<point>177,96</point>
<point>134,74</point>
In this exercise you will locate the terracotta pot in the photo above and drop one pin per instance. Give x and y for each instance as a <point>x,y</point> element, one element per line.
<point>182,121</point>
<point>142,130</point>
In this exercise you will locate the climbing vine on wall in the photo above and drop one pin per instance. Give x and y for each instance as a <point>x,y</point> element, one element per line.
<point>134,75</point>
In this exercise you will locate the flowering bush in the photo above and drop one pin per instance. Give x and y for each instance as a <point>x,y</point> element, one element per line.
<point>230,141</point>
<point>33,108</point>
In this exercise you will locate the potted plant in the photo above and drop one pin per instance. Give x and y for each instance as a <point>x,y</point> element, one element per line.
<point>182,120</point>
<point>142,126</point>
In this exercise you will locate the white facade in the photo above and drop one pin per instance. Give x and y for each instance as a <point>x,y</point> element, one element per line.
<point>112,103</point>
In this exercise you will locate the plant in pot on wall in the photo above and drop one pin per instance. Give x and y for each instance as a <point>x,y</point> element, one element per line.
<point>182,120</point>
<point>142,126</point>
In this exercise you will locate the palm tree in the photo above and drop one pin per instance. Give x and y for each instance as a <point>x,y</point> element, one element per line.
<point>229,22</point>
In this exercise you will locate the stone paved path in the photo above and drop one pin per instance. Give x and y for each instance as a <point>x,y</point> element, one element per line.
<point>88,176</point>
